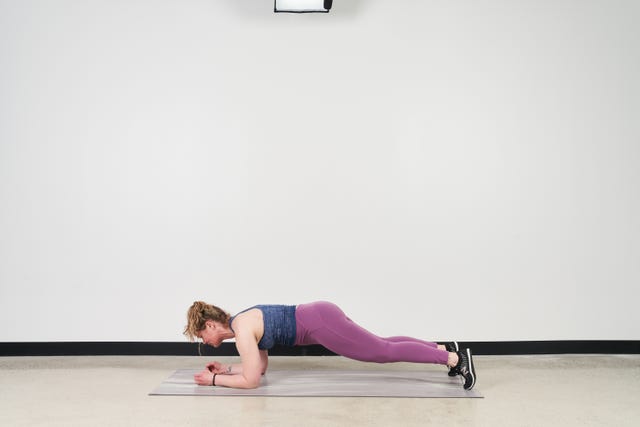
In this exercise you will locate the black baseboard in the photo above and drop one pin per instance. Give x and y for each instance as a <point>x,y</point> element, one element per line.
<point>228,349</point>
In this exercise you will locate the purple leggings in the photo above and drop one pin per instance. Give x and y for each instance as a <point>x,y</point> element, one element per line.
<point>326,324</point>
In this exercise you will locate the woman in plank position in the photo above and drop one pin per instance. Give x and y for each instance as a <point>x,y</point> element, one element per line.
<point>259,328</point>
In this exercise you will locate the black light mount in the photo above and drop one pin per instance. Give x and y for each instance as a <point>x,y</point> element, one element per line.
<point>302,6</point>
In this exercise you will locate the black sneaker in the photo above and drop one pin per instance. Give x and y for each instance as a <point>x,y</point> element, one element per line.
<point>465,368</point>
<point>452,347</point>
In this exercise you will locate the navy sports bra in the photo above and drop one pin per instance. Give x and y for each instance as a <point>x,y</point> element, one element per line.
<point>279,325</point>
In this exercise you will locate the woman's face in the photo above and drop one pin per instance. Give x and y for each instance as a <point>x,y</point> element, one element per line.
<point>210,335</point>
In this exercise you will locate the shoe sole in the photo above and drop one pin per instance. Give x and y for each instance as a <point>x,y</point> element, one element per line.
<point>472,370</point>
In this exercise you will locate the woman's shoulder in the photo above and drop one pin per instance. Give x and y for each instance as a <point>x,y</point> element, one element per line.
<point>248,315</point>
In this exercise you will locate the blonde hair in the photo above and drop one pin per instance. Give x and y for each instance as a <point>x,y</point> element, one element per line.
<point>199,313</point>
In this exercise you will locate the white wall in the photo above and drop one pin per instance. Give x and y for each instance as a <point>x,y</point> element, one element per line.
<point>444,169</point>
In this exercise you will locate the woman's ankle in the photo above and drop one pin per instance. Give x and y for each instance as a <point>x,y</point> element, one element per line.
<point>452,360</point>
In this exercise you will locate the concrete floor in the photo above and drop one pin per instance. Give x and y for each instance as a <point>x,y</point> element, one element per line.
<point>585,390</point>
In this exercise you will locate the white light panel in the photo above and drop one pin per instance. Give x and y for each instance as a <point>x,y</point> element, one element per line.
<point>302,6</point>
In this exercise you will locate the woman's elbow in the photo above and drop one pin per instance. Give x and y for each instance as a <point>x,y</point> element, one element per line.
<point>252,382</point>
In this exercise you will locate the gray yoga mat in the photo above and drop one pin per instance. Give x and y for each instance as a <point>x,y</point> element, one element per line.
<point>370,383</point>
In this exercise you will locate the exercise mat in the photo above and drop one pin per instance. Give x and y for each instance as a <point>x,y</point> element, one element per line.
<point>309,383</point>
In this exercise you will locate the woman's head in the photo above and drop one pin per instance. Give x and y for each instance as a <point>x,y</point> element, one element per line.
<point>197,316</point>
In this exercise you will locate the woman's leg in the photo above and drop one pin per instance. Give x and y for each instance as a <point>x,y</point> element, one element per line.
<point>326,324</point>
<point>429,343</point>
<point>411,339</point>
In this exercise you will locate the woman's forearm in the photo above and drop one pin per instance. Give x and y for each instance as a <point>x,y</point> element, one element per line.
<point>234,369</point>
<point>236,381</point>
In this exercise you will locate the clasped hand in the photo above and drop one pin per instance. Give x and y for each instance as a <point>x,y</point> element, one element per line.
<point>217,368</point>
<point>206,376</point>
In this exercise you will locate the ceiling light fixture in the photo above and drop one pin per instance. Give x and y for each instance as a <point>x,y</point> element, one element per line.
<point>302,6</point>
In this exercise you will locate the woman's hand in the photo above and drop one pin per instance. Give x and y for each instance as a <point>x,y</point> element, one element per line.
<point>204,378</point>
<point>217,368</point>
